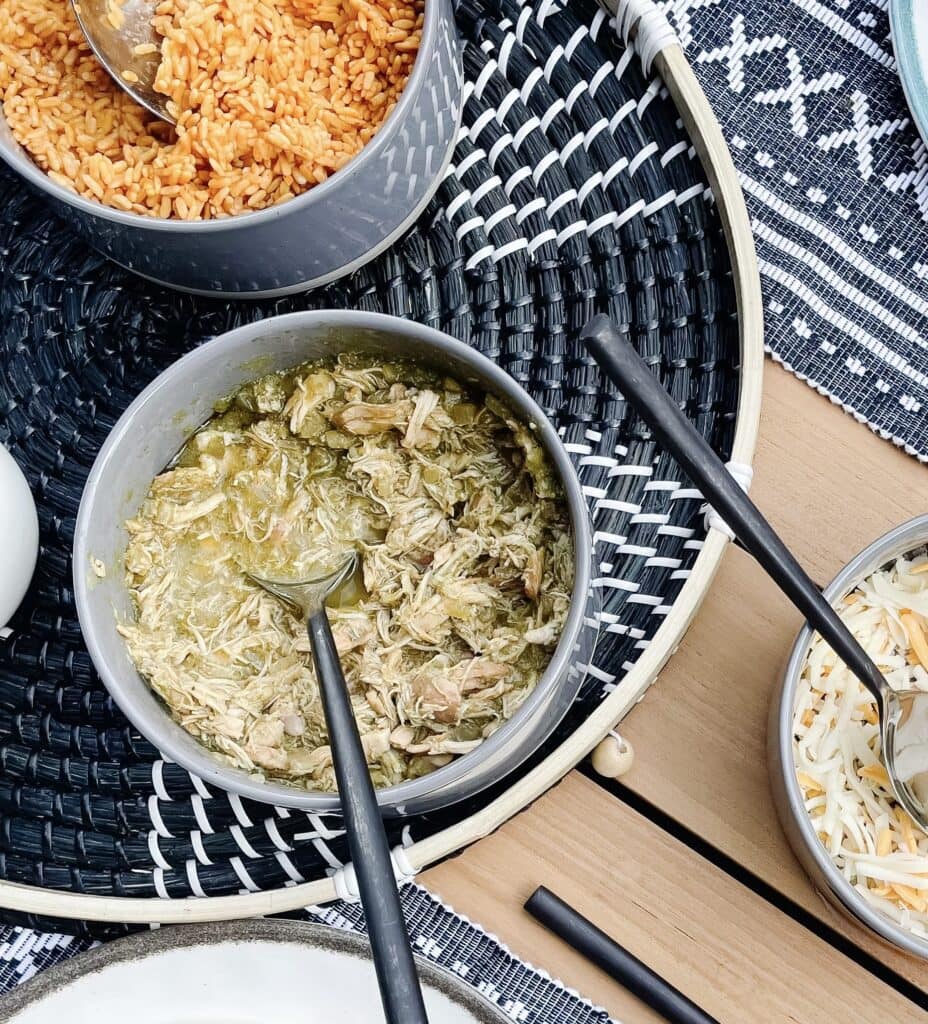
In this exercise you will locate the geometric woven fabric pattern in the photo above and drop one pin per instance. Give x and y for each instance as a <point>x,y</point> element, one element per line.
<point>24,953</point>
<point>525,995</point>
<point>572,191</point>
<point>836,180</point>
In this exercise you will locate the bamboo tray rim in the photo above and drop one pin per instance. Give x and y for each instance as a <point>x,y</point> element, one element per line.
<point>705,133</point>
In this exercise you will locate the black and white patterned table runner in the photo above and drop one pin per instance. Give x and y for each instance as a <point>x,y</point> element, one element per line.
<point>836,181</point>
<point>524,994</point>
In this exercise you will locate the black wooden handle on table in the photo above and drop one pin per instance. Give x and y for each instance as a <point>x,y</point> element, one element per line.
<point>678,436</point>
<point>367,840</point>
<point>588,940</point>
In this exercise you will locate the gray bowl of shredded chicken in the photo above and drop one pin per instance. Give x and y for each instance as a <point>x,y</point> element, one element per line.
<point>275,449</point>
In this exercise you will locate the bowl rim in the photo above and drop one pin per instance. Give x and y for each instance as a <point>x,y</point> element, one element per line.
<point>271,931</point>
<point>898,541</point>
<point>204,763</point>
<point>252,218</point>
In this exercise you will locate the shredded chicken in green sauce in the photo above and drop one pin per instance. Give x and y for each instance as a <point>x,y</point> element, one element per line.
<point>466,568</point>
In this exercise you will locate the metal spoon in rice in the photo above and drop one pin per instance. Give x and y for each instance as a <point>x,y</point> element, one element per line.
<point>124,41</point>
<point>367,840</point>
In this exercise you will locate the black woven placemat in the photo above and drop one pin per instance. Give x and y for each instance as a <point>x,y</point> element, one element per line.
<point>573,191</point>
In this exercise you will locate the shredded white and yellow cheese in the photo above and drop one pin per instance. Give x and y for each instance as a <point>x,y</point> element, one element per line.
<point>871,839</point>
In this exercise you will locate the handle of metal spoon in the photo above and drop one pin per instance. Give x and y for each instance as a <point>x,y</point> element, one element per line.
<point>677,435</point>
<point>367,840</point>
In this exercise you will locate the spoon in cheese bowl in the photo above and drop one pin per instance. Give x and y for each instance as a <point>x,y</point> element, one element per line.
<point>903,713</point>
<point>367,840</point>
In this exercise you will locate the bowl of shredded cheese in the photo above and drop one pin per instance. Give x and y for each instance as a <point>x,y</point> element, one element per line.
<point>830,785</point>
<point>463,636</point>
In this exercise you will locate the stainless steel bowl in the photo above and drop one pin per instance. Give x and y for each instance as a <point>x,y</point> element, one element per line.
<point>907,538</point>
<point>153,429</point>
<point>320,235</point>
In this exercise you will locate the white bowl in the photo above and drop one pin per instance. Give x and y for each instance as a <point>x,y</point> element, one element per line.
<point>242,972</point>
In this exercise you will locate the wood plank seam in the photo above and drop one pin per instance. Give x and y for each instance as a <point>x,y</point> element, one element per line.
<point>755,883</point>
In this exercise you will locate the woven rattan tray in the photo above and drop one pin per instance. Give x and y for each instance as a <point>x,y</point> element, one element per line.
<point>576,188</point>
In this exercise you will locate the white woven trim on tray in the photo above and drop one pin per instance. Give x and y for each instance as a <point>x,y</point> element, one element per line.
<point>743,474</point>
<point>654,31</point>
<point>345,879</point>
<point>614,219</point>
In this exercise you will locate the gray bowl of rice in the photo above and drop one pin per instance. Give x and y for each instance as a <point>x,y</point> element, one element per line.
<point>309,137</point>
<point>864,853</point>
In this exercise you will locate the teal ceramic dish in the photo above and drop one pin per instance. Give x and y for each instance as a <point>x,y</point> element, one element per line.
<point>908,21</point>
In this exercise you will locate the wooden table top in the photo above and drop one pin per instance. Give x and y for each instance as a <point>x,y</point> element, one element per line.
<point>685,863</point>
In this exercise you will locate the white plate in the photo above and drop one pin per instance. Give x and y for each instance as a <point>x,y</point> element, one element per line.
<point>243,972</point>
<point>908,21</point>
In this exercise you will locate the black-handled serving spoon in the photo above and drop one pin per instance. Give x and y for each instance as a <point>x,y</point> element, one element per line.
<point>367,840</point>
<point>903,713</point>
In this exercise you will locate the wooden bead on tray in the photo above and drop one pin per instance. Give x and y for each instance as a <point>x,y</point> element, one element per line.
<point>613,756</point>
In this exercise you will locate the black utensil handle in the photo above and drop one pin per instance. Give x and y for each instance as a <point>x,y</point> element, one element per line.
<point>367,840</point>
<point>674,431</point>
<point>593,943</point>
